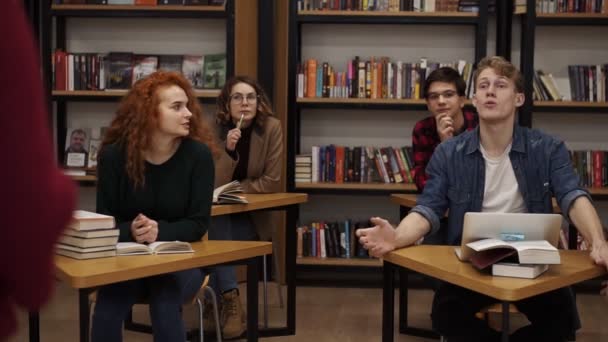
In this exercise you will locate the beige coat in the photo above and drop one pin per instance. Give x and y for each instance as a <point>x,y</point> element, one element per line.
<point>263,169</point>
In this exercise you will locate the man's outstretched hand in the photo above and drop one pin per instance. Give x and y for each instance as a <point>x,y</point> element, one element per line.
<point>379,239</point>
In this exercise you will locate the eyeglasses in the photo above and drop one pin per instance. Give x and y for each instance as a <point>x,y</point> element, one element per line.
<point>448,94</point>
<point>238,98</point>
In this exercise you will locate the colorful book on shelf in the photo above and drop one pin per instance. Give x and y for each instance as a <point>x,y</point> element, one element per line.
<point>214,71</point>
<point>159,247</point>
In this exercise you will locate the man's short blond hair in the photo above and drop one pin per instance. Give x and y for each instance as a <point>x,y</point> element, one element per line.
<point>501,67</point>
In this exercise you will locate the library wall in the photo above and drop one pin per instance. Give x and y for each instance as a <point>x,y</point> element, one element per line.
<point>556,48</point>
<point>336,44</point>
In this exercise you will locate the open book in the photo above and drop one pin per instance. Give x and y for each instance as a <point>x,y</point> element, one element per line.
<point>229,193</point>
<point>491,251</point>
<point>159,247</point>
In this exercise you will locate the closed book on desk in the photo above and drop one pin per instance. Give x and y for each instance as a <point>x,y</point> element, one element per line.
<point>88,242</point>
<point>229,193</point>
<point>86,220</point>
<point>95,233</point>
<point>490,251</point>
<point>159,247</point>
<point>88,255</point>
<point>85,252</point>
<point>507,269</point>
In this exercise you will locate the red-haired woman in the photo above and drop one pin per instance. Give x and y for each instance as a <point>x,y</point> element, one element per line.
<point>155,176</point>
<point>252,142</point>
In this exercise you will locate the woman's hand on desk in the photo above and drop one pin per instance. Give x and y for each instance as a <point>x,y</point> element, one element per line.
<point>144,229</point>
<point>379,239</point>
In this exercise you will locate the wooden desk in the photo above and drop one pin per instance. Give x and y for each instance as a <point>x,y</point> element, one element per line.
<point>440,262</point>
<point>85,275</point>
<point>276,201</point>
<point>406,202</point>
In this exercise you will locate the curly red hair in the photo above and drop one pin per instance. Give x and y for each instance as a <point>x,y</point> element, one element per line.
<point>137,118</point>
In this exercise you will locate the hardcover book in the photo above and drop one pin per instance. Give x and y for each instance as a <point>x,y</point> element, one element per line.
<point>491,251</point>
<point>229,193</point>
<point>120,70</point>
<point>192,68</point>
<point>86,220</point>
<point>507,269</point>
<point>214,73</point>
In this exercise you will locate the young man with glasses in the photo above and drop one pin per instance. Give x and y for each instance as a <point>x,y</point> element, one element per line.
<point>444,91</point>
<point>252,142</point>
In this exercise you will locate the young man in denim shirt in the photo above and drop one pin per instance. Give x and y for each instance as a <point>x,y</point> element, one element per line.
<point>498,167</point>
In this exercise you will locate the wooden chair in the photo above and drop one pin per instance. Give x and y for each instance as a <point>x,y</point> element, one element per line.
<point>205,289</point>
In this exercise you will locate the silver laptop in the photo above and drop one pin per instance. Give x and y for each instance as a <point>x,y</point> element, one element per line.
<point>508,226</point>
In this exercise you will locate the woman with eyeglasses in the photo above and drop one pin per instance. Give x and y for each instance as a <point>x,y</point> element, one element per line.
<point>252,148</point>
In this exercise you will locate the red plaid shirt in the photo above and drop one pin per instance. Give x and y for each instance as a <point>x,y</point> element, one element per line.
<point>425,139</point>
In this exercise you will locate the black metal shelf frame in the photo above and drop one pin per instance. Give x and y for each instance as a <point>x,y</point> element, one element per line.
<point>60,16</point>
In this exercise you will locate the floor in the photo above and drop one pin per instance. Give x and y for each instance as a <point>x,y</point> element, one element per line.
<point>323,314</point>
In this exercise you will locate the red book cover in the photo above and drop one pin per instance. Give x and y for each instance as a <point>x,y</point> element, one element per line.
<point>339,164</point>
<point>486,258</point>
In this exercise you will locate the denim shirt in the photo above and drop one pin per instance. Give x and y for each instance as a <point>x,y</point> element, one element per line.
<point>541,164</point>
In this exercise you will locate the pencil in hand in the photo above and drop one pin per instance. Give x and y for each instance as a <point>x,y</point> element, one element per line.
<point>240,121</point>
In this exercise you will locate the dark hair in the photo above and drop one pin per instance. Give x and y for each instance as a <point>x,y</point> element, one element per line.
<point>263,110</point>
<point>447,75</point>
<point>78,131</point>
<point>137,117</point>
<point>501,67</point>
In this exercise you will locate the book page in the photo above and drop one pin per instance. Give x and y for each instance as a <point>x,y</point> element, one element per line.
<point>483,244</point>
<point>161,247</point>
<point>132,248</point>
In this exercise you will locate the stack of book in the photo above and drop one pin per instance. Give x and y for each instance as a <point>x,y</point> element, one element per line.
<point>518,259</point>
<point>303,168</point>
<point>89,235</point>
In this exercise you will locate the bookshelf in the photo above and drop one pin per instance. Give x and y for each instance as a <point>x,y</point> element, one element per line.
<point>350,116</point>
<point>551,42</point>
<point>530,21</point>
<point>63,29</point>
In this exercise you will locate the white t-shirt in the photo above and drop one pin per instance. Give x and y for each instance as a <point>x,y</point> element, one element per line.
<point>501,191</point>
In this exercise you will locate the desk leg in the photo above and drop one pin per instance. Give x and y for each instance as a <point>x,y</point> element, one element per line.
<point>403,300</point>
<point>290,266</point>
<point>505,321</point>
<point>84,312</point>
<point>388,302</point>
<point>34,324</point>
<point>252,299</point>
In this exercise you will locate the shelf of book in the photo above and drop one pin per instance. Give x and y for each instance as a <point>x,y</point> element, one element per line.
<point>321,187</point>
<point>569,106</point>
<point>349,102</point>
<point>207,96</point>
<point>382,17</point>
<point>138,11</point>
<point>371,262</point>
<point>572,19</point>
